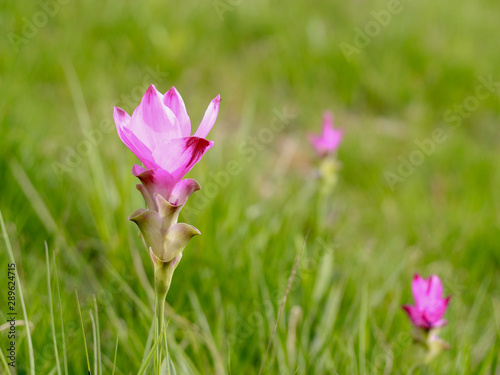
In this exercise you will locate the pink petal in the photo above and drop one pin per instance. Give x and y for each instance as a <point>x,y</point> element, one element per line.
<point>435,287</point>
<point>209,118</point>
<point>415,316</point>
<point>331,137</point>
<point>173,100</point>
<point>327,121</point>
<point>315,140</point>
<point>178,156</point>
<point>122,122</point>
<point>440,323</point>
<point>420,289</point>
<point>137,170</point>
<point>434,310</point>
<point>446,301</point>
<point>121,117</point>
<point>317,144</point>
<point>153,122</point>
<point>156,181</point>
<point>183,190</point>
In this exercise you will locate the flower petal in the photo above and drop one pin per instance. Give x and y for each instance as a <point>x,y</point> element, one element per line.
<point>317,143</point>
<point>329,139</point>
<point>137,170</point>
<point>446,301</point>
<point>122,122</point>
<point>419,288</point>
<point>121,117</point>
<point>439,323</point>
<point>415,316</point>
<point>183,190</point>
<point>178,156</point>
<point>435,309</point>
<point>331,136</point>
<point>209,118</point>
<point>332,139</point>
<point>435,287</point>
<point>156,181</point>
<point>173,100</point>
<point>327,121</point>
<point>152,121</point>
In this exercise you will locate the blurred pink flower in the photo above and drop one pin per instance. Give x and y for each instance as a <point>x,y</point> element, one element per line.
<point>159,134</point>
<point>430,305</point>
<point>329,140</point>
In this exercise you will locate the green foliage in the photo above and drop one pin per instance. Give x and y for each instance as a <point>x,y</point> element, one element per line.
<point>66,180</point>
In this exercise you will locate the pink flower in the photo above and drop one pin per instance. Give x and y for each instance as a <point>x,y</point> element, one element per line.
<point>430,305</point>
<point>329,140</point>
<point>159,134</point>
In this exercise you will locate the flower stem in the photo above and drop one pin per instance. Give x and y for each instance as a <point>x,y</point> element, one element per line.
<point>162,323</point>
<point>157,356</point>
<point>163,277</point>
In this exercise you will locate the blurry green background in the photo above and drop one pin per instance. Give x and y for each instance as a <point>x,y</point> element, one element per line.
<point>365,241</point>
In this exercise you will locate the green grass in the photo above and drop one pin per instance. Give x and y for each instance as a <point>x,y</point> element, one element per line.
<point>365,240</point>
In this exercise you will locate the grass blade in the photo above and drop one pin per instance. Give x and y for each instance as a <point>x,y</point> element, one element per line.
<point>94,335</point>
<point>145,363</point>
<point>23,305</point>
<point>83,331</point>
<point>4,361</point>
<point>98,338</point>
<point>33,196</point>
<point>170,366</point>
<point>288,287</point>
<point>65,357</point>
<point>363,334</point>
<point>116,352</point>
<point>51,309</point>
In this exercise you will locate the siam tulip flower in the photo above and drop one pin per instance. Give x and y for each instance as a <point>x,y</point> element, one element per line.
<point>159,134</point>
<point>325,146</point>
<point>326,143</point>
<point>427,316</point>
<point>430,305</point>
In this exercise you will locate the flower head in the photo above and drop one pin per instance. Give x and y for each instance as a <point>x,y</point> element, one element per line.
<point>159,134</point>
<point>430,305</point>
<point>329,140</point>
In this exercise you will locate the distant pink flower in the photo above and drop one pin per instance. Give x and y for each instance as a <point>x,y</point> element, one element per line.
<point>430,305</point>
<point>329,140</point>
<point>159,134</point>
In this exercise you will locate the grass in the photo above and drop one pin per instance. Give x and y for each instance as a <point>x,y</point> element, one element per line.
<point>366,240</point>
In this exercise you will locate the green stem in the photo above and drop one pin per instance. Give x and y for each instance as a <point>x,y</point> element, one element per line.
<point>163,276</point>
<point>157,356</point>
<point>162,324</point>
